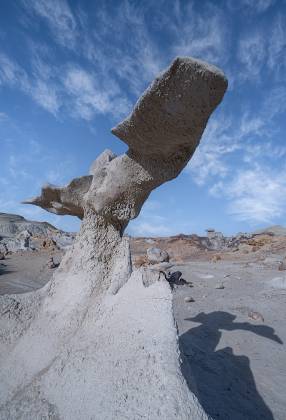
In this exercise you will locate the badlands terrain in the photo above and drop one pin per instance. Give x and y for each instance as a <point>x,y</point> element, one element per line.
<point>230,315</point>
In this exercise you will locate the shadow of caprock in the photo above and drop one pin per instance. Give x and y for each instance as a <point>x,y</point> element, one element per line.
<point>4,270</point>
<point>222,381</point>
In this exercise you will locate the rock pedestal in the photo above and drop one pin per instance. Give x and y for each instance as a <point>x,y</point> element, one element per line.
<point>99,341</point>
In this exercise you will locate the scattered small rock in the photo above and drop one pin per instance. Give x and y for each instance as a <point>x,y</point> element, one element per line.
<point>282,266</point>
<point>189,299</point>
<point>216,258</point>
<point>256,316</point>
<point>174,279</point>
<point>52,264</point>
<point>157,255</point>
<point>2,256</point>
<point>140,260</point>
<point>219,286</point>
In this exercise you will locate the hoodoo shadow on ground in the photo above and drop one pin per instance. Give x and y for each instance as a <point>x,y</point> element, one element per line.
<point>222,381</point>
<point>4,269</point>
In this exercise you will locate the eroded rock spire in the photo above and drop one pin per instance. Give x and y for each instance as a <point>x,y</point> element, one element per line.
<point>98,341</point>
<point>162,133</point>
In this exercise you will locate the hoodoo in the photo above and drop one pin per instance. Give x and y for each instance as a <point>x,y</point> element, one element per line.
<point>99,340</point>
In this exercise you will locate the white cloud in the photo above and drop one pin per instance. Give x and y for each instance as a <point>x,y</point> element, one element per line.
<point>59,18</point>
<point>149,228</point>
<point>251,134</point>
<point>80,93</point>
<point>216,144</point>
<point>275,103</point>
<point>254,125</point>
<point>262,50</point>
<point>3,116</point>
<point>252,55</point>
<point>203,35</point>
<point>12,74</point>
<point>89,97</point>
<point>133,57</point>
<point>46,96</point>
<point>254,6</point>
<point>277,46</point>
<point>44,93</point>
<point>258,5</point>
<point>256,195</point>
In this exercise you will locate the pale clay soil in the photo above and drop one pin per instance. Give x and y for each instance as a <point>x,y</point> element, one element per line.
<point>234,364</point>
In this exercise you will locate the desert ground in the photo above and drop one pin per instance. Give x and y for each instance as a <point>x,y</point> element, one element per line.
<point>23,272</point>
<point>230,319</point>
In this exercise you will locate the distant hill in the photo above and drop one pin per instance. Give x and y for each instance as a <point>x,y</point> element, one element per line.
<point>18,234</point>
<point>12,224</point>
<point>277,230</point>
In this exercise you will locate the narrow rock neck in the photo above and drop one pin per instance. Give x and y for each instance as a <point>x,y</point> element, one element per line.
<point>95,245</point>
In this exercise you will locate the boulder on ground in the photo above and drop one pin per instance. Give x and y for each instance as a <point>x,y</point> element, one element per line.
<point>282,265</point>
<point>216,258</point>
<point>157,255</point>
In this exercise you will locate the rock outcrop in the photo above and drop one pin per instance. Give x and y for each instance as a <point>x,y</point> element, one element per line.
<point>157,255</point>
<point>20,234</point>
<point>99,340</point>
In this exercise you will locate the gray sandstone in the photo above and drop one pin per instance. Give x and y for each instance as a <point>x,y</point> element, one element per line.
<point>20,234</point>
<point>99,340</point>
<point>157,256</point>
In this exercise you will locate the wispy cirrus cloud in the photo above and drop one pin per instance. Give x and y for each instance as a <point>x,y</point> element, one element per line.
<point>250,6</point>
<point>250,135</point>
<point>277,47</point>
<point>12,74</point>
<point>46,96</point>
<point>200,34</point>
<point>89,97</point>
<point>15,76</point>
<point>80,93</point>
<point>252,54</point>
<point>122,47</point>
<point>59,18</point>
<point>258,53</point>
<point>255,195</point>
<point>210,159</point>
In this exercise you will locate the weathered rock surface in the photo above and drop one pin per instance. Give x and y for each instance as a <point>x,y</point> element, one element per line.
<point>162,133</point>
<point>19,234</point>
<point>98,341</point>
<point>12,224</point>
<point>157,255</point>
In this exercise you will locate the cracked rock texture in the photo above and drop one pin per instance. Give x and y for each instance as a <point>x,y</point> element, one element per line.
<point>99,341</point>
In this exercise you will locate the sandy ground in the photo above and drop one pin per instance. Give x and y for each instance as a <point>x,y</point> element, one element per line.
<point>25,271</point>
<point>238,365</point>
<point>234,364</point>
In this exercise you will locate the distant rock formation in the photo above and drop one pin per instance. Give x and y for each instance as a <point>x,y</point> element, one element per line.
<point>99,341</point>
<point>276,230</point>
<point>11,224</point>
<point>19,234</point>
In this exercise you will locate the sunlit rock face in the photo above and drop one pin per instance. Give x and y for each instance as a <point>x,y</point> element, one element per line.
<point>99,340</point>
<point>162,133</point>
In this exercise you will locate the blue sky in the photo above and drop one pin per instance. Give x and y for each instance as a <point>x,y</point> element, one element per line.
<point>72,69</point>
